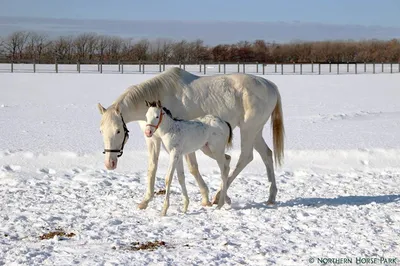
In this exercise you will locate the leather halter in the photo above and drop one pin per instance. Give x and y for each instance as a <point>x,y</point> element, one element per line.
<point>159,121</point>
<point>126,136</point>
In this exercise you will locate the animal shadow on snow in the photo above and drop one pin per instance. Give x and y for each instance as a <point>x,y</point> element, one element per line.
<point>318,202</point>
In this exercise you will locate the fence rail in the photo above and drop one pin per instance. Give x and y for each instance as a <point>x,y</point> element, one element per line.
<point>202,68</point>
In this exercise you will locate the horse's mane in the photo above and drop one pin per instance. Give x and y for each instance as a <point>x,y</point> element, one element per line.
<point>154,88</point>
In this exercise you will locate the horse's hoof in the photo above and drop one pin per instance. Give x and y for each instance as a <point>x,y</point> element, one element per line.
<point>228,200</point>
<point>206,204</point>
<point>164,213</point>
<point>142,205</point>
<point>271,203</point>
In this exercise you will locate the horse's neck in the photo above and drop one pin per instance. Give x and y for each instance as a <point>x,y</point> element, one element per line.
<point>136,113</point>
<point>166,125</point>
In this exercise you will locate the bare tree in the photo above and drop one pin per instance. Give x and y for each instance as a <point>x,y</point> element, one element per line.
<point>114,48</point>
<point>64,48</point>
<point>85,45</point>
<point>140,49</point>
<point>15,43</point>
<point>36,44</point>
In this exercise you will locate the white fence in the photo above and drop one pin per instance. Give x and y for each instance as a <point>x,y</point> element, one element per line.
<point>206,69</point>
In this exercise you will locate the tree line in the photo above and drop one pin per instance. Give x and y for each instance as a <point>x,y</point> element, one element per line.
<point>23,46</point>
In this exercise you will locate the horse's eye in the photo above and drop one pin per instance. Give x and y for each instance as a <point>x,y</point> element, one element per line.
<point>156,116</point>
<point>118,132</point>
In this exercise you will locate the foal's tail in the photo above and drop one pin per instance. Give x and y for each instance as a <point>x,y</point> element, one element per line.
<point>278,132</point>
<point>229,143</point>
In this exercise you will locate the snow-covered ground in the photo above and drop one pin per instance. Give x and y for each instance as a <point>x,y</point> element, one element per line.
<point>338,190</point>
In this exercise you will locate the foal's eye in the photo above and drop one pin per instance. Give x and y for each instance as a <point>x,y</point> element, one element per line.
<point>156,116</point>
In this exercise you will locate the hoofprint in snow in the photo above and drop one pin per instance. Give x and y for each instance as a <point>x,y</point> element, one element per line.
<point>338,190</point>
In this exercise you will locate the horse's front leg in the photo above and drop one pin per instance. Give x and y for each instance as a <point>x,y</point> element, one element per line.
<point>173,161</point>
<point>153,148</point>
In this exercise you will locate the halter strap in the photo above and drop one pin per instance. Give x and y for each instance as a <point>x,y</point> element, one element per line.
<point>159,121</point>
<point>126,135</point>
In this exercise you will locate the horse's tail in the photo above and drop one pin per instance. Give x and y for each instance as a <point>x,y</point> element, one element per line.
<point>278,132</point>
<point>229,142</point>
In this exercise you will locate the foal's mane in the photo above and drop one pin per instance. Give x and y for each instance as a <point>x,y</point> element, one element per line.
<point>155,88</point>
<point>166,110</point>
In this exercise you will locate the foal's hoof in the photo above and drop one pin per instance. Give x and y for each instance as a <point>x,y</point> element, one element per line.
<point>271,203</point>
<point>142,205</point>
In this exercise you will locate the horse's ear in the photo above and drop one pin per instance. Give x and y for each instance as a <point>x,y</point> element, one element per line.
<point>117,108</point>
<point>101,108</point>
<point>159,104</point>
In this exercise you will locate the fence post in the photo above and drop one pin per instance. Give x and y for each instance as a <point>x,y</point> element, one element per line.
<point>282,69</point>
<point>200,67</point>
<point>301,68</point>
<point>365,67</point>
<point>294,67</point>
<point>373,68</point>
<point>101,67</point>
<point>78,66</point>
<point>34,66</point>
<point>219,67</point>
<point>330,67</point>
<point>257,67</point>
<point>164,66</point>
<point>391,67</point>
<point>238,67</point>
<point>143,67</point>
<point>184,66</point>
<point>244,67</point>
<point>224,68</point>
<point>204,68</point>
<point>399,67</point>
<point>263,69</point>
<point>119,66</point>
<point>382,68</point>
<point>347,67</point>
<point>140,66</point>
<point>159,66</point>
<point>337,68</point>
<point>319,68</point>
<point>312,67</point>
<point>122,68</point>
<point>56,65</point>
<point>180,64</point>
<point>275,68</point>
<point>355,68</point>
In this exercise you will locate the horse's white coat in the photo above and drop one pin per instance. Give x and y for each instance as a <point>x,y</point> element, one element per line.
<point>242,100</point>
<point>180,137</point>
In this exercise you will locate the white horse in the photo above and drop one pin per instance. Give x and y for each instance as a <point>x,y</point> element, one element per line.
<point>243,100</point>
<point>180,137</point>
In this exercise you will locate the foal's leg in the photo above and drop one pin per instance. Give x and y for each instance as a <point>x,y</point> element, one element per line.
<point>181,178</point>
<point>153,147</point>
<point>266,154</point>
<point>173,160</point>
<point>194,170</point>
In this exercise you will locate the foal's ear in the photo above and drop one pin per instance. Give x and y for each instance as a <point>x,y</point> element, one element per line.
<point>159,104</point>
<point>147,103</point>
<point>101,108</point>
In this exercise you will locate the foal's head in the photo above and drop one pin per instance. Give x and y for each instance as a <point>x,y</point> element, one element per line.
<point>154,117</point>
<point>115,134</point>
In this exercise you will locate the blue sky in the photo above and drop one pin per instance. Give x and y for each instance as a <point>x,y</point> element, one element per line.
<point>361,12</point>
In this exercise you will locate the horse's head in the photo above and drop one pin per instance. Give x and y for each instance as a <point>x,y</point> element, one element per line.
<point>115,134</point>
<point>154,117</point>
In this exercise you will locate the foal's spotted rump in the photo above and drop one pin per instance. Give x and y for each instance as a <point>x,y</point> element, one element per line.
<point>208,133</point>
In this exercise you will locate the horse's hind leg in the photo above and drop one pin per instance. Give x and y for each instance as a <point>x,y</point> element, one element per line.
<point>194,170</point>
<point>266,154</point>
<point>181,178</point>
